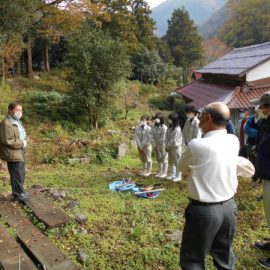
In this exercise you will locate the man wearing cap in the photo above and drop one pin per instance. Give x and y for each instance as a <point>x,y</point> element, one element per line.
<point>262,164</point>
<point>211,214</point>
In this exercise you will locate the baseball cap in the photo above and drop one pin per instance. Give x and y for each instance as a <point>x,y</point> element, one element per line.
<point>264,99</point>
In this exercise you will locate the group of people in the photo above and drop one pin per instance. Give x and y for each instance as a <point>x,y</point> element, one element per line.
<point>165,141</point>
<point>212,162</point>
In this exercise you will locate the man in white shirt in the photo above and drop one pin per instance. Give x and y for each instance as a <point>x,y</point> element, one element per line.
<point>211,215</point>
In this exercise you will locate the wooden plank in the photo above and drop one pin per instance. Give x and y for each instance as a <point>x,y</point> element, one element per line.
<point>45,210</point>
<point>49,256</point>
<point>11,254</point>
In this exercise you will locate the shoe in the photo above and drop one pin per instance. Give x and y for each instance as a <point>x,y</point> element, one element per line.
<point>146,174</point>
<point>265,262</point>
<point>262,246</point>
<point>171,177</point>
<point>22,198</point>
<point>177,179</point>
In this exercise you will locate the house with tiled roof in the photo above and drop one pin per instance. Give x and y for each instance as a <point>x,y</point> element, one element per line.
<point>236,78</point>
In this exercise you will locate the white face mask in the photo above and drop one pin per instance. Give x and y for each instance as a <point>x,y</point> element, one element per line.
<point>170,121</point>
<point>17,115</point>
<point>262,115</point>
<point>157,121</point>
<point>143,123</point>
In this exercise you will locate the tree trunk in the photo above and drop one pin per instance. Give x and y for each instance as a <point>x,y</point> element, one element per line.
<point>126,114</point>
<point>18,66</point>
<point>29,59</point>
<point>46,56</point>
<point>3,71</point>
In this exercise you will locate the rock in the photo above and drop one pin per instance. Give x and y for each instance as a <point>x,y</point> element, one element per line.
<point>82,230</point>
<point>56,195</point>
<point>63,194</point>
<point>85,160</point>
<point>82,255</point>
<point>36,77</point>
<point>72,204</point>
<point>37,186</point>
<point>175,236</point>
<point>74,160</point>
<point>96,240</point>
<point>81,218</point>
<point>123,149</point>
<point>111,132</point>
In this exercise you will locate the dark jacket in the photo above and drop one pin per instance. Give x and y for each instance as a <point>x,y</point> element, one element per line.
<point>251,129</point>
<point>11,146</point>
<point>262,163</point>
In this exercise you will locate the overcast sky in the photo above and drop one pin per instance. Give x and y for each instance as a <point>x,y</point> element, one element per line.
<point>154,3</point>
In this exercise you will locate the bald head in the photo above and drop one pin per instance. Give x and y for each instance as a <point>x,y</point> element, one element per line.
<point>219,112</point>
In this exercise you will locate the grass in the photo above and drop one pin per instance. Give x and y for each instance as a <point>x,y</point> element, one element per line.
<point>124,232</point>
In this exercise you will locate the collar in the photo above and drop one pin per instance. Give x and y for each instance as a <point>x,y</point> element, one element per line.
<point>215,132</point>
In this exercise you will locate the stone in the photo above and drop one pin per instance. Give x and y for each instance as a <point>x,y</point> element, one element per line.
<point>63,194</point>
<point>123,150</point>
<point>82,230</point>
<point>81,218</point>
<point>175,236</point>
<point>96,240</point>
<point>85,160</point>
<point>82,255</point>
<point>74,160</point>
<point>56,195</point>
<point>72,204</point>
<point>37,186</point>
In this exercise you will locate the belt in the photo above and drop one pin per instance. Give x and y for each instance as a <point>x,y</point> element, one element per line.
<point>194,202</point>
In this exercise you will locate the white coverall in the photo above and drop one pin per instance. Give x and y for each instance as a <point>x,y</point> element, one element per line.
<point>142,139</point>
<point>157,135</point>
<point>173,143</point>
<point>191,130</point>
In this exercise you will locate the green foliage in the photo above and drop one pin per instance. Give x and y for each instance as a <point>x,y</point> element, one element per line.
<point>248,24</point>
<point>16,16</point>
<point>130,22</point>
<point>162,103</point>
<point>6,98</point>
<point>43,105</point>
<point>98,62</point>
<point>184,41</point>
<point>147,66</point>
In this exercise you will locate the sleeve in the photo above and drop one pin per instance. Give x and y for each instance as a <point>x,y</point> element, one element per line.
<point>252,132</point>
<point>178,137</point>
<point>152,138</point>
<point>137,140</point>
<point>8,139</point>
<point>197,131</point>
<point>185,160</point>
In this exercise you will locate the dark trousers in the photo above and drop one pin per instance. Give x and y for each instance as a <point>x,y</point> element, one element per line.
<point>17,176</point>
<point>209,229</point>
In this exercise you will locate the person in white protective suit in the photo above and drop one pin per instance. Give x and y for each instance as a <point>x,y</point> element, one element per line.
<point>173,142</point>
<point>158,133</point>
<point>191,128</point>
<point>142,139</point>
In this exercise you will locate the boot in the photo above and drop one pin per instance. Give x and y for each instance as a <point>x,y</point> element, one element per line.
<point>178,176</point>
<point>144,169</point>
<point>171,177</point>
<point>165,170</point>
<point>148,169</point>
<point>160,167</point>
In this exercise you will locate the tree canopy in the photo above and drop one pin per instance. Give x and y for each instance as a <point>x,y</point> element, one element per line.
<point>249,23</point>
<point>98,62</point>
<point>183,40</point>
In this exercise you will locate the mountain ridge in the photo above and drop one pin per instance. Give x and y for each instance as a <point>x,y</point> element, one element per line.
<point>199,10</point>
